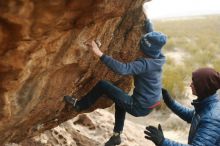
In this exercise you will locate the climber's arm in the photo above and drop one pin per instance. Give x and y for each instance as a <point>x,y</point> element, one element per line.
<point>148,26</point>
<point>131,68</point>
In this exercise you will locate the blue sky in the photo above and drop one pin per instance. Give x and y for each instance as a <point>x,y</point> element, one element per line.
<point>175,8</point>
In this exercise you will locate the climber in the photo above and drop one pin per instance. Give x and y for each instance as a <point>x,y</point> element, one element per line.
<point>146,70</point>
<point>204,118</point>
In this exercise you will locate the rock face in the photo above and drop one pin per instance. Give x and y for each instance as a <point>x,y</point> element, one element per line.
<point>44,57</point>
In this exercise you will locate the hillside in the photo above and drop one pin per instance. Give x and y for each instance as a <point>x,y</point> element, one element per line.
<point>192,43</point>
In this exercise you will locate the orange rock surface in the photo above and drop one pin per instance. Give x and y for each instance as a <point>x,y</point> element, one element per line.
<point>44,57</point>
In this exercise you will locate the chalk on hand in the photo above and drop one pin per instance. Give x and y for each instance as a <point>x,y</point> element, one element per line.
<point>98,43</point>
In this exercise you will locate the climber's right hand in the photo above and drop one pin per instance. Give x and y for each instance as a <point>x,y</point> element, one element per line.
<point>94,46</point>
<point>145,9</point>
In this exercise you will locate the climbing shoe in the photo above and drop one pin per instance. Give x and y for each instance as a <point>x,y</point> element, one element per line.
<point>114,140</point>
<point>72,101</point>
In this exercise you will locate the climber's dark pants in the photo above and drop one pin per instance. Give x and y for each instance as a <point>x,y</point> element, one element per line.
<point>123,102</point>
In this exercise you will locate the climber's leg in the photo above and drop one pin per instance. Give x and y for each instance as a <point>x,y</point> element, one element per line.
<point>111,91</point>
<point>115,139</point>
<point>119,118</point>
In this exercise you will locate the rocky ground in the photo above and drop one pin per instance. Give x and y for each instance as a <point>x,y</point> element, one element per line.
<point>93,129</point>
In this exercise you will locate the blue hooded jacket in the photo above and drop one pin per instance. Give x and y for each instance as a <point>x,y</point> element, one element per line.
<point>204,119</point>
<point>147,73</point>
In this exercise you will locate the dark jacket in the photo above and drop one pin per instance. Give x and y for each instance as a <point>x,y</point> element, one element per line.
<point>204,119</point>
<point>147,75</point>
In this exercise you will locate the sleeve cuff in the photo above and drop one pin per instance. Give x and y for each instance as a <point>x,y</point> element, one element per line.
<point>165,142</point>
<point>102,57</point>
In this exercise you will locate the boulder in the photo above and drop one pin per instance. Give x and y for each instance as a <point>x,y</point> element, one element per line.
<point>44,57</point>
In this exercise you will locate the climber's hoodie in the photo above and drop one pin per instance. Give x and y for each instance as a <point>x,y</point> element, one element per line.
<point>147,73</point>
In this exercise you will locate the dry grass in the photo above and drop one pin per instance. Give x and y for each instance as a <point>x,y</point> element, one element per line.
<point>200,39</point>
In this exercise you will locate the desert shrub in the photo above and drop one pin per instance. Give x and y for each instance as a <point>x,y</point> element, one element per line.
<point>174,78</point>
<point>199,39</point>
